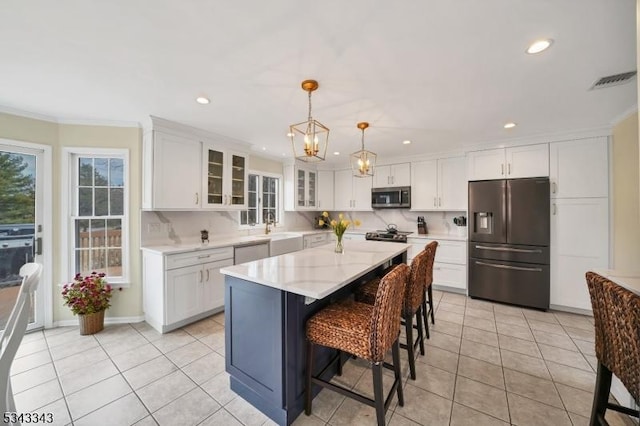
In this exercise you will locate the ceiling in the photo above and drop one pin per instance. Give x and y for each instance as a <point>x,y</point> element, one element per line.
<point>443,74</point>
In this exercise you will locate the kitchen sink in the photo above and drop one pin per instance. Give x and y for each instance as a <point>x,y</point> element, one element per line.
<point>284,242</point>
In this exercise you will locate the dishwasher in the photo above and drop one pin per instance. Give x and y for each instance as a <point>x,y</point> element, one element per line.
<point>250,251</point>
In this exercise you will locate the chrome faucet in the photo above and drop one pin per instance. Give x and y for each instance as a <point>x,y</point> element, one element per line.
<point>269,219</point>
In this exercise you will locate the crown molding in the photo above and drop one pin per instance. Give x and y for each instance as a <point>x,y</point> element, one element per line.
<point>27,114</point>
<point>68,120</point>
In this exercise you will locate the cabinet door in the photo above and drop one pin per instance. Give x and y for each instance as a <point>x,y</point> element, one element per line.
<point>215,179</point>
<point>184,293</point>
<point>362,193</point>
<point>325,190</point>
<point>424,185</point>
<point>238,175</point>
<point>213,285</point>
<point>382,176</point>
<point>488,164</point>
<point>450,275</point>
<point>452,184</point>
<point>176,172</point>
<point>401,174</point>
<point>579,243</point>
<point>342,196</point>
<point>301,189</point>
<point>312,189</point>
<point>528,161</point>
<point>579,168</point>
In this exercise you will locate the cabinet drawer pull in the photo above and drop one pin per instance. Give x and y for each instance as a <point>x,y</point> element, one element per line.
<point>207,275</point>
<point>197,199</point>
<point>204,256</point>
<point>554,187</point>
<point>201,275</point>
<point>502,169</point>
<point>508,168</point>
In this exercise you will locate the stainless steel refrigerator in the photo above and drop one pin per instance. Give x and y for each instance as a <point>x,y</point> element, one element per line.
<point>509,241</point>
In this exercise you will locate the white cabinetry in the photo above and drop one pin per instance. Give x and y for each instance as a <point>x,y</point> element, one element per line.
<point>579,168</point>
<point>315,240</point>
<point>325,190</point>
<point>392,175</point>
<point>352,193</point>
<point>183,287</point>
<point>185,168</point>
<point>509,163</point>
<point>300,188</point>
<point>172,176</point>
<point>450,265</point>
<point>224,179</point>
<point>439,184</point>
<point>579,218</point>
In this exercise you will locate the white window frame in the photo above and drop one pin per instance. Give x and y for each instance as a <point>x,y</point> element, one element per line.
<point>279,197</point>
<point>70,208</point>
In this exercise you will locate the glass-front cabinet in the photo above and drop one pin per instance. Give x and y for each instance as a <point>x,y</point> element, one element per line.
<point>301,188</point>
<point>226,179</point>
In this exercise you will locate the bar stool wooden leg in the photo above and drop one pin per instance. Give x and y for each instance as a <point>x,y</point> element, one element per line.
<point>600,396</point>
<point>430,292</point>
<point>408,326</point>
<point>425,316</point>
<point>339,372</point>
<point>378,393</point>
<point>308,390</point>
<point>395,351</point>
<point>420,335</point>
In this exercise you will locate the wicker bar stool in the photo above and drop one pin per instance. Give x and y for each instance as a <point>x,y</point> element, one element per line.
<point>431,256</point>
<point>412,306</point>
<point>616,312</point>
<point>366,331</point>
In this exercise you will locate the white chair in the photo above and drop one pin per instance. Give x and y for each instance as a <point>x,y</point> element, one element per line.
<point>14,331</point>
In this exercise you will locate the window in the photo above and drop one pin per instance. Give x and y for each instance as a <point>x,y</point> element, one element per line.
<point>99,215</point>
<point>264,199</point>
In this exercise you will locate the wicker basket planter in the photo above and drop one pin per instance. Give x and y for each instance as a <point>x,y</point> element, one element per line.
<point>91,323</point>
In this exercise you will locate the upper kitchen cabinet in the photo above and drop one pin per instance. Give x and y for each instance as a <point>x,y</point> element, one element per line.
<point>580,168</point>
<point>325,190</point>
<point>225,179</point>
<point>300,188</point>
<point>392,175</point>
<point>439,184</point>
<point>352,193</point>
<point>509,163</point>
<point>172,176</point>
<point>185,168</point>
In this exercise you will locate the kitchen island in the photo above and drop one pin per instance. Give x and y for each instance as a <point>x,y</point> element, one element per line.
<point>267,304</point>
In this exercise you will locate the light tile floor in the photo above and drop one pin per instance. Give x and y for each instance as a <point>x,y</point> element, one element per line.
<point>486,364</point>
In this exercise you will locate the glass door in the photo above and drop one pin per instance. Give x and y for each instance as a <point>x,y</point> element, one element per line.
<point>238,184</point>
<point>301,188</point>
<point>311,193</point>
<point>20,226</point>
<point>215,168</point>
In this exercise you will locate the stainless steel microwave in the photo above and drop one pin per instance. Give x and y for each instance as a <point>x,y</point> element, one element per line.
<point>387,198</point>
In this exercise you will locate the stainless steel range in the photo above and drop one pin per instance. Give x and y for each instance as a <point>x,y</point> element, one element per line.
<point>396,237</point>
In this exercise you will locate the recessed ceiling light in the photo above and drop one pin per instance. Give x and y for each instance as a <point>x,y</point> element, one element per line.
<point>264,148</point>
<point>336,153</point>
<point>202,100</point>
<point>283,154</point>
<point>290,135</point>
<point>510,125</point>
<point>406,142</point>
<point>539,46</point>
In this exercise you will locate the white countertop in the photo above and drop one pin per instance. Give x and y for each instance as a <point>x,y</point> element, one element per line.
<point>451,237</point>
<point>627,279</point>
<point>317,272</point>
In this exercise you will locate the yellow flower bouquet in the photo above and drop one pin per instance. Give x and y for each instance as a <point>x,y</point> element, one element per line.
<point>339,227</point>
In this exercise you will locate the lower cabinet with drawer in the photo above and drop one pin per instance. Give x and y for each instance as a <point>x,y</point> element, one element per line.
<point>315,240</point>
<point>183,287</point>
<point>450,266</point>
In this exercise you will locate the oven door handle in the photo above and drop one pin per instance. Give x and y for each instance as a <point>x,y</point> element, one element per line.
<point>515,268</point>
<point>514,250</point>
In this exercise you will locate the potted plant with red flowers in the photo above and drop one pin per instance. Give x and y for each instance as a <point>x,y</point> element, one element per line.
<point>88,297</point>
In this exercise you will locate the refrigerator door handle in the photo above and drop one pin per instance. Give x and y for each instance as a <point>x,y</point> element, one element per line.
<point>515,250</point>
<point>516,268</point>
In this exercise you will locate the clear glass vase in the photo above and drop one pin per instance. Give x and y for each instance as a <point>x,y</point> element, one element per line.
<point>339,248</point>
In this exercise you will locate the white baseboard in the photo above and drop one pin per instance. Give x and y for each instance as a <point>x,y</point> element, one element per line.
<point>571,310</point>
<point>107,320</point>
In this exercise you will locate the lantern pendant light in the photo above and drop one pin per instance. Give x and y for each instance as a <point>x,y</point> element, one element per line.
<point>363,161</point>
<point>310,138</point>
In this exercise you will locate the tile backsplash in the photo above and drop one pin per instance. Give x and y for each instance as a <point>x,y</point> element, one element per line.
<point>175,227</point>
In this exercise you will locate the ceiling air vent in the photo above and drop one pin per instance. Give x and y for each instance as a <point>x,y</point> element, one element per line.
<point>613,80</point>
